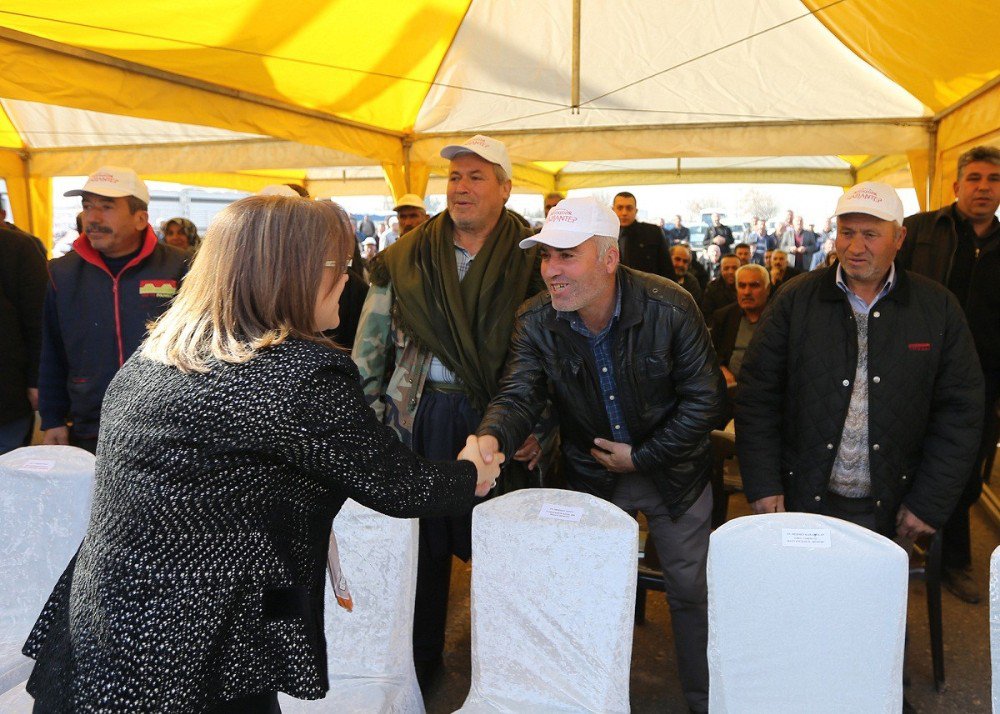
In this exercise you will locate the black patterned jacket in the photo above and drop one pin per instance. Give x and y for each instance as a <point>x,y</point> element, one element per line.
<point>201,576</point>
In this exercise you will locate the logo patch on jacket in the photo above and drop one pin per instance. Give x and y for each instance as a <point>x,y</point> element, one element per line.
<point>920,346</point>
<point>158,288</point>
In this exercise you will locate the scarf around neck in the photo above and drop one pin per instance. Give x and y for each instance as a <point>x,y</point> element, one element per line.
<point>466,324</point>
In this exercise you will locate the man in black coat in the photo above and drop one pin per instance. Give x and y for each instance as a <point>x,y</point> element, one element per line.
<point>734,325</point>
<point>720,234</point>
<point>861,395</point>
<point>641,244</point>
<point>722,290</point>
<point>23,278</point>
<point>958,247</point>
<point>683,259</point>
<point>630,370</point>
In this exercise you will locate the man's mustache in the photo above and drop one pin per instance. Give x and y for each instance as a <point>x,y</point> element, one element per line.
<point>91,229</point>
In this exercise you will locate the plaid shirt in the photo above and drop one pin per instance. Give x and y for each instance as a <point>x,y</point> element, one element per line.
<point>600,345</point>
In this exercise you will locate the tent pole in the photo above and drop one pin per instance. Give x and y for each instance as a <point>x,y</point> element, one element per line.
<point>406,166</point>
<point>575,87</point>
<point>931,165</point>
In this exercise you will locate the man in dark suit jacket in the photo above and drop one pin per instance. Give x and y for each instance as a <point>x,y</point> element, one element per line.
<point>799,244</point>
<point>641,245</point>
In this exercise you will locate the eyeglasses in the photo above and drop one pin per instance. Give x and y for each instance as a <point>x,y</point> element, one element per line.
<point>334,264</point>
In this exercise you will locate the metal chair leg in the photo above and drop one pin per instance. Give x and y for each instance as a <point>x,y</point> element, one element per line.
<point>933,579</point>
<point>640,604</point>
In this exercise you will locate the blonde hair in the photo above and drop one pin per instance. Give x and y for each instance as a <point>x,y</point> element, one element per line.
<point>252,284</point>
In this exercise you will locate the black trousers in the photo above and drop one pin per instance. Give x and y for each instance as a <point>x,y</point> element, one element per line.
<point>83,442</point>
<point>956,536</point>
<point>442,423</point>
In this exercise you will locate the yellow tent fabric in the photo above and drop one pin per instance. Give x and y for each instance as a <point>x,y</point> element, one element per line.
<point>221,92</point>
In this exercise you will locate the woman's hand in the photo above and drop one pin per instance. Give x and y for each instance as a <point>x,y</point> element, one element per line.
<point>486,473</point>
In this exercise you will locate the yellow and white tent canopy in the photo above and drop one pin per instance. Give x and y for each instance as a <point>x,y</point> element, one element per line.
<point>584,93</point>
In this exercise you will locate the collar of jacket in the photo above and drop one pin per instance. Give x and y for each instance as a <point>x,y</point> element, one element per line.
<point>829,291</point>
<point>630,315</point>
<point>87,251</point>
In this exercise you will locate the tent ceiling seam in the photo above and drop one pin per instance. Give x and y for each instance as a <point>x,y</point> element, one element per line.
<point>500,133</point>
<point>968,98</point>
<point>165,145</point>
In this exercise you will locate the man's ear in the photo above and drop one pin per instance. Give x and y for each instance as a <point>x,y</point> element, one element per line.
<point>611,259</point>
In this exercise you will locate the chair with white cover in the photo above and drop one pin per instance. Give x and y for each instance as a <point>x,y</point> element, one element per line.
<point>553,599</point>
<point>45,494</point>
<point>995,626</point>
<point>370,649</point>
<point>806,614</point>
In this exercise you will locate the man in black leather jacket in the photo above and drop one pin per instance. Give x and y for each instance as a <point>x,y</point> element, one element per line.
<point>627,361</point>
<point>958,246</point>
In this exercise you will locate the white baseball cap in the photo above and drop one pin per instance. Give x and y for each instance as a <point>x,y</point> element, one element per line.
<point>409,199</point>
<point>492,150</point>
<point>369,241</point>
<point>573,221</point>
<point>873,199</point>
<point>113,182</point>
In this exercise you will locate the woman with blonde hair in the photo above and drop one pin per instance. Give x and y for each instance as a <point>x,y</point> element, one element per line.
<point>228,443</point>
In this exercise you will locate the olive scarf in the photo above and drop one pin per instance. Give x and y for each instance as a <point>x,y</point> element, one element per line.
<point>466,324</point>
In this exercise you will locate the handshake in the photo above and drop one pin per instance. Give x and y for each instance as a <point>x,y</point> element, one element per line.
<point>484,453</point>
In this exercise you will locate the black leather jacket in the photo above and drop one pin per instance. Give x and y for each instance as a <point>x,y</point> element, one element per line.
<point>671,390</point>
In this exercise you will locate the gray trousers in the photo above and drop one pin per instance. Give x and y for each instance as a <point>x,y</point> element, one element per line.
<point>683,549</point>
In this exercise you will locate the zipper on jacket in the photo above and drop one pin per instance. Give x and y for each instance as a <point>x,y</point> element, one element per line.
<point>118,321</point>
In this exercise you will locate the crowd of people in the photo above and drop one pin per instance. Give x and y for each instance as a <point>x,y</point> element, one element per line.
<point>237,387</point>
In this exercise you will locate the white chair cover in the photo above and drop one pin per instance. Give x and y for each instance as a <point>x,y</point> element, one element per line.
<point>553,602</point>
<point>370,650</point>
<point>995,626</point>
<point>806,614</point>
<point>45,496</point>
<point>17,700</point>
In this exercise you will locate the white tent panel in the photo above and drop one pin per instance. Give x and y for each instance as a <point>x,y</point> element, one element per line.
<point>47,126</point>
<point>696,67</point>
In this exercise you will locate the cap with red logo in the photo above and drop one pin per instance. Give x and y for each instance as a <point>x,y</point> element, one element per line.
<point>484,147</point>
<point>872,199</point>
<point>113,182</point>
<point>573,221</point>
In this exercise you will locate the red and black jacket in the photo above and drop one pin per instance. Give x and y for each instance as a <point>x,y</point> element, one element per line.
<point>94,321</point>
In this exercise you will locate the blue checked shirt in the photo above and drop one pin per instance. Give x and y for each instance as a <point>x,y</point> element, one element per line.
<point>600,345</point>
